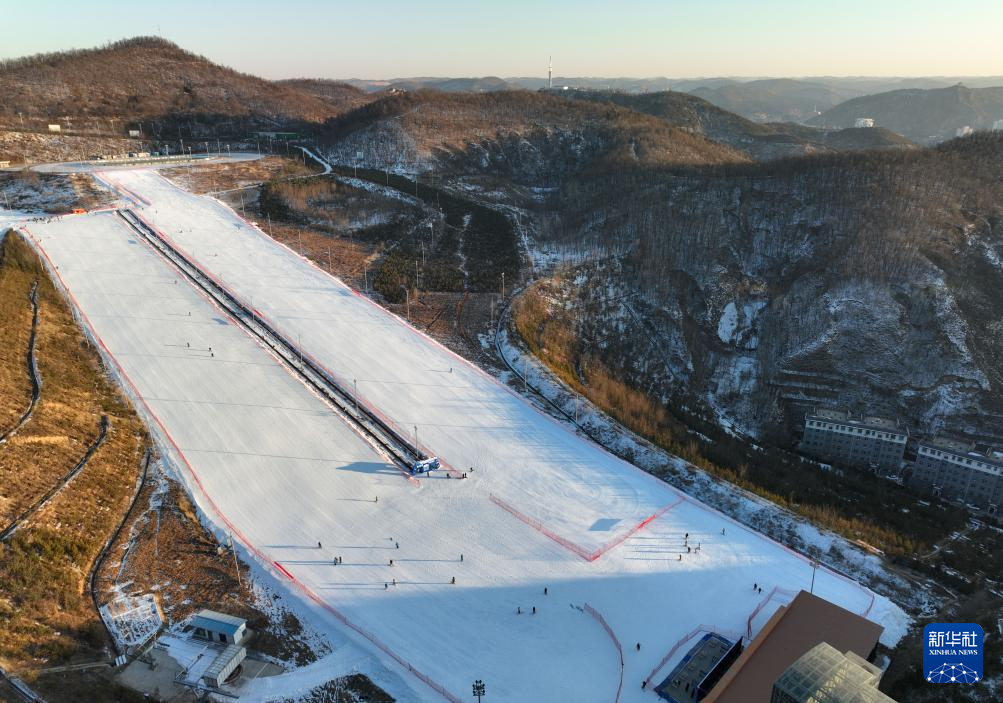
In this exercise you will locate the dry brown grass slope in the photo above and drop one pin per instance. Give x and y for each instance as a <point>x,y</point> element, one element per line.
<point>45,612</point>
<point>15,328</point>
<point>341,96</point>
<point>140,79</point>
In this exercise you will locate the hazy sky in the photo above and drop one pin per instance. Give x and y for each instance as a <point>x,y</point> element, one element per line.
<point>674,38</point>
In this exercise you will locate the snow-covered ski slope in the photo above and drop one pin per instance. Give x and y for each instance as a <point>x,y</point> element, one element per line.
<point>543,507</point>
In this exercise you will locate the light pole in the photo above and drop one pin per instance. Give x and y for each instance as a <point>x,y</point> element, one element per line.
<point>479,689</point>
<point>236,565</point>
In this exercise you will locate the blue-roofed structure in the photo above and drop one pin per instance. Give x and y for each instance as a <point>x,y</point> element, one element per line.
<point>219,627</point>
<point>701,668</point>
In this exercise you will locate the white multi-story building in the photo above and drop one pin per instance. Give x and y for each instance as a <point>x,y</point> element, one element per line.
<point>864,122</point>
<point>955,471</point>
<point>870,442</point>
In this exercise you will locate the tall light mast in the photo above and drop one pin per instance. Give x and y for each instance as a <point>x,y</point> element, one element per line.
<point>550,73</point>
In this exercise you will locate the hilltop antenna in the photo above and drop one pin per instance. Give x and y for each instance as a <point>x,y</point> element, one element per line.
<point>550,73</point>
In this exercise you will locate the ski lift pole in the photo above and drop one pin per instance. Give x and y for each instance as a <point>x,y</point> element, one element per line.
<point>236,564</point>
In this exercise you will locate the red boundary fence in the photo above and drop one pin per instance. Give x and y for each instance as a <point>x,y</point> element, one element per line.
<point>685,638</point>
<point>704,628</point>
<point>759,608</point>
<point>257,230</point>
<point>616,642</point>
<point>682,641</point>
<point>247,304</point>
<point>571,546</point>
<point>261,556</point>
<point>617,541</point>
<point>343,382</point>
<point>538,526</point>
<point>122,190</point>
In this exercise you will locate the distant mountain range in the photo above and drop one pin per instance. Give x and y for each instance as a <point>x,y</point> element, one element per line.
<point>760,141</point>
<point>930,112</point>
<point>925,116</point>
<point>150,81</point>
<point>776,99</point>
<point>857,85</point>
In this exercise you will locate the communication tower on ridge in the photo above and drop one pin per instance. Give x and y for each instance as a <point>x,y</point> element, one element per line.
<point>550,73</point>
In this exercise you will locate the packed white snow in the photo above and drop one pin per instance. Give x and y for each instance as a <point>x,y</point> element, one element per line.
<point>268,460</point>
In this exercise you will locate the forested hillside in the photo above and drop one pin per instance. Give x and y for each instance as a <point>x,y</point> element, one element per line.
<point>754,291</point>
<point>528,137</point>
<point>148,80</point>
<point>760,141</point>
<point>866,281</point>
<point>925,116</point>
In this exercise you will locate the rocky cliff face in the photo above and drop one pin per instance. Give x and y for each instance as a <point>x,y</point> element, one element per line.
<point>869,283</point>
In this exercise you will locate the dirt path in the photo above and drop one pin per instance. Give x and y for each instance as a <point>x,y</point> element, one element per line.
<point>36,379</point>
<point>40,503</point>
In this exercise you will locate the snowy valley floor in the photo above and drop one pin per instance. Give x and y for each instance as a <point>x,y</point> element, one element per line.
<point>269,461</point>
